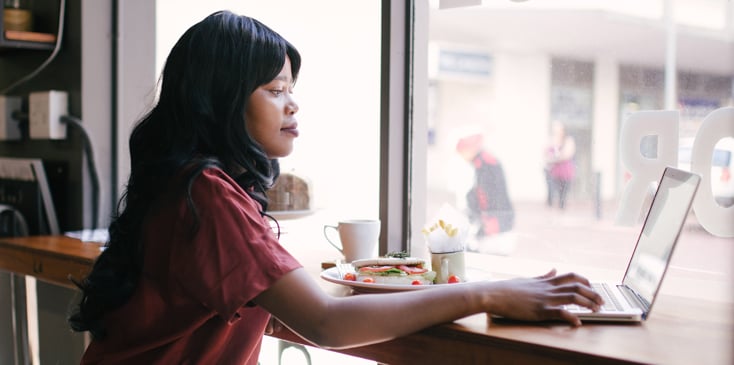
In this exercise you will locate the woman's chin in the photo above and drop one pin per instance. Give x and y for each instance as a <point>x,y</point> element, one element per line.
<point>280,153</point>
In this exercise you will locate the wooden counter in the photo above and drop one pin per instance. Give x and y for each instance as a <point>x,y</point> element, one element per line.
<point>679,331</point>
<point>48,258</point>
<point>663,339</point>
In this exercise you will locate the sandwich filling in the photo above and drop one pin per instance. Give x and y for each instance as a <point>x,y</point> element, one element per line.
<point>394,271</point>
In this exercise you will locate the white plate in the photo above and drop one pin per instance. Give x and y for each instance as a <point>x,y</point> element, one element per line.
<point>289,214</point>
<point>332,275</point>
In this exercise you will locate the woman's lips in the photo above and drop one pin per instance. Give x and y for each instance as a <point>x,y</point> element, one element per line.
<point>292,130</point>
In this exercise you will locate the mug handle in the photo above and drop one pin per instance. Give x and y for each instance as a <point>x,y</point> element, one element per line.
<point>445,268</point>
<point>326,235</point>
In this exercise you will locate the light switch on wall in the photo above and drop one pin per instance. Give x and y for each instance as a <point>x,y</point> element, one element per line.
<point>9,127</point>
<point>45,109</point>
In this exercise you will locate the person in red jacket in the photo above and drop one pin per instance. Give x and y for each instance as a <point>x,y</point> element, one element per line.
<point>488,201</point>
<point>193,273</point>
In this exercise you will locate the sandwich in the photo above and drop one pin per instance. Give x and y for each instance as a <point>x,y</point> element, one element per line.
<point>393,271</point>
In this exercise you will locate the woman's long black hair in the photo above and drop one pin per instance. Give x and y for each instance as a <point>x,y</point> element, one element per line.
<point>198,122</point>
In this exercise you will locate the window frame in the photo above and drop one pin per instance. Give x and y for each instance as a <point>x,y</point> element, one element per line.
<point>395,126</point>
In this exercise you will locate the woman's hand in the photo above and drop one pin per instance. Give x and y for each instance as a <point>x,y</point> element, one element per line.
<point>273,326</point>
<point>542,298</point>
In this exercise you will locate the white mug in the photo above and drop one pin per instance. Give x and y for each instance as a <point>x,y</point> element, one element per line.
<point>447,264</point>
<point>358,238</point>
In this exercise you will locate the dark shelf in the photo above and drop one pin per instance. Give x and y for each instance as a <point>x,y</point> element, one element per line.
<point>10,39</point>
<point>26,40</point>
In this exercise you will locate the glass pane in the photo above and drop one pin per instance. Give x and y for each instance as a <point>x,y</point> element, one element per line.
<point>505,78</point>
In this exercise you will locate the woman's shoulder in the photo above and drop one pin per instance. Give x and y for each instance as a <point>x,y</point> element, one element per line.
<point>213,179</point>
<point>215,174</point>
<point>213,189</point>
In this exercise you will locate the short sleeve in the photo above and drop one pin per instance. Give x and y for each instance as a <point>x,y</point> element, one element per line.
<point>234,255</point>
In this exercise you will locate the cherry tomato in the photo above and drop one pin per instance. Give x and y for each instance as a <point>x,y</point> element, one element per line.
<point>453,279</point>
<point>416,282</point>
<point>350,276</point>
<point>368,280</point>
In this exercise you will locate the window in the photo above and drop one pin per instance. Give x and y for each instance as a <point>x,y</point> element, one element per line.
<point>504,71</point>
<point>501,74</point>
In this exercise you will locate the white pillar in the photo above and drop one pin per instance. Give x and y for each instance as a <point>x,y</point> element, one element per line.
<point>670,56</point>
<point>606,124</point>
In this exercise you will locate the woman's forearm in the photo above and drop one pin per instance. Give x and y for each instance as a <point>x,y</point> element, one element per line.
<point>338,322</point>
<point>332,322</point>
<point>364,319</point>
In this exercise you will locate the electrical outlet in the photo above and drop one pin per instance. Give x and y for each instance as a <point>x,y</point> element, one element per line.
<point>45,110</point>
<point>9,127</point>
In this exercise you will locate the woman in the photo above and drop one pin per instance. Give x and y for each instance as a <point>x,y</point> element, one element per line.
<point>192,271</point>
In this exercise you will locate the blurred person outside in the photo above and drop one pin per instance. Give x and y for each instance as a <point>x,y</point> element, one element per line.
<point>490,209</point>
<point>560,167</point>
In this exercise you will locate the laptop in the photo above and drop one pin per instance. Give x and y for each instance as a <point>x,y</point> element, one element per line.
<point>632,300</point>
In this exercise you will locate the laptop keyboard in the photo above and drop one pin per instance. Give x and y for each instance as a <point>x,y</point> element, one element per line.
<point>610,301</point>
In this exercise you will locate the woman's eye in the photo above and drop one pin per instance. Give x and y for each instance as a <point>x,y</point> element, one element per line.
<point>277,91</point>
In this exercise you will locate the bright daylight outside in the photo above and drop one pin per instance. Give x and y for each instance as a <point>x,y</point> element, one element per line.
<point>550,121</point>
<point>531,99</point>
<point>547,122</point>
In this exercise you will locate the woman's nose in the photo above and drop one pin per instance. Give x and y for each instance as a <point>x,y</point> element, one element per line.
<point>292,105</point>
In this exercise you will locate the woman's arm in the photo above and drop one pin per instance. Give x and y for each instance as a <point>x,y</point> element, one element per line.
<point>340,322</point>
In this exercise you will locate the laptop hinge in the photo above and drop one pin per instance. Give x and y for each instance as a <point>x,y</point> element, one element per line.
<point>634,298</point>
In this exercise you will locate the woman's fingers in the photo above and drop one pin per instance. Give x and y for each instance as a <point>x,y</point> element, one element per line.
<point>568,317</point>
<point>580,294</point>
<point>577,299</point>
<point>574,283</point>
<point>273,326</point>
<point>548,275</point>
<point>569,278</point>
<point>546,295</point>
<point>571,289</point>
<point>557,312</point>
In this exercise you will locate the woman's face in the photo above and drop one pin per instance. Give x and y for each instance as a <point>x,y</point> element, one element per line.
<point>271,113</point>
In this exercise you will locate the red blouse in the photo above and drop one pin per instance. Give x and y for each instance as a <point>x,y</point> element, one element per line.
<point>191,304</point>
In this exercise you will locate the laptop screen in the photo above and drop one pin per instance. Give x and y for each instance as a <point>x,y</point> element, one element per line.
<point>660,232</point>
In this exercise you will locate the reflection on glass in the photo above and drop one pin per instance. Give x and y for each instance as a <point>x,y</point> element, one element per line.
<point>659,235</point>
<point>588,65</point>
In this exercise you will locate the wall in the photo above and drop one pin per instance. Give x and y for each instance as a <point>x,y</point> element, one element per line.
<point>83,67</point>
<point>64,73</point>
